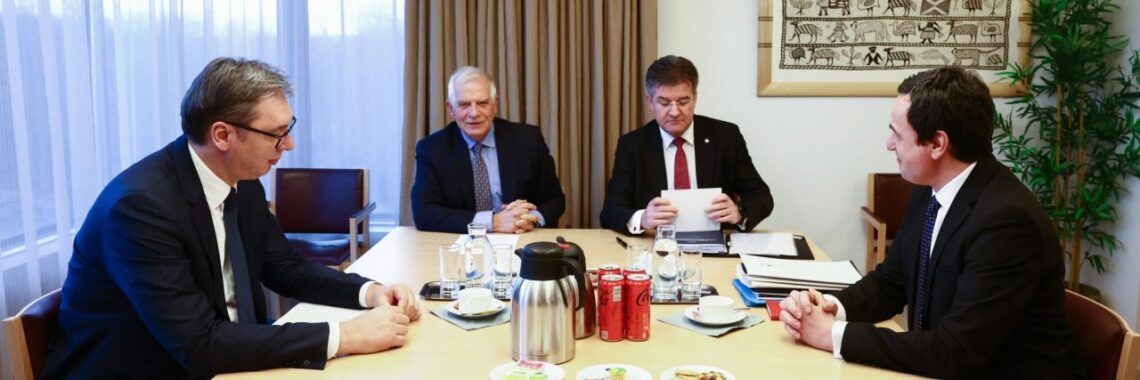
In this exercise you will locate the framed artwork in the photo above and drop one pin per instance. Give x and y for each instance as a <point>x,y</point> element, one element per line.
<point>867,47</point>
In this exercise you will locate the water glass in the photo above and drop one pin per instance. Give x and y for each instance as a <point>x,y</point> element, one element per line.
<point>450,270</point>
<point>638,254</point>
<point>506,268</point>
<point>667,263</point>
<point>691,271</point>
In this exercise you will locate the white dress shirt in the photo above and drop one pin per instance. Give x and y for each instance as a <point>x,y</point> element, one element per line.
<point>670,152</point>
<point>945,197</point>
<point>216,191</point>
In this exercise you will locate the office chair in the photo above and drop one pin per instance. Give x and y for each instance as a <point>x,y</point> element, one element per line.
<point>887,196</point>
<point>28,334</point>
<point>1110,348</point>
<point>311,204</point>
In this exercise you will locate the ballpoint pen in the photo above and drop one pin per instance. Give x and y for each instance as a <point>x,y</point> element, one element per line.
<point>621,242</point>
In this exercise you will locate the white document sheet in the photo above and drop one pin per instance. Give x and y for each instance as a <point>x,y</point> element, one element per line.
<point>691,205</point>
<point>802,271</point>
<point>511,239</point>
<point>763,243</point>
<point>308,312</point>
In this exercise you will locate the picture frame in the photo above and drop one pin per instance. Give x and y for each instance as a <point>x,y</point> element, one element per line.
<point>868,47</point>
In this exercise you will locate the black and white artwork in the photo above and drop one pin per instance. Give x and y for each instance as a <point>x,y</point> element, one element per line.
<point>884,41</point>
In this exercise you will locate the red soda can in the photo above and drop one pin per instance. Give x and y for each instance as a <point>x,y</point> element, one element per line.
<point>611,313</point>
<point>633,269</point>
<point>636,295</point>
<point>609,269</point>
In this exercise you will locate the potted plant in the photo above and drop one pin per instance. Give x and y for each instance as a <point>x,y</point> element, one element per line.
<point>1080,140</point>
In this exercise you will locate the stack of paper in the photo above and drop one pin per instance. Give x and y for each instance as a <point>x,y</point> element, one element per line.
<point>775,278</point>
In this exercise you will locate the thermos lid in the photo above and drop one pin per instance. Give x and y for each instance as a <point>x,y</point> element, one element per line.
<point>544,261</point>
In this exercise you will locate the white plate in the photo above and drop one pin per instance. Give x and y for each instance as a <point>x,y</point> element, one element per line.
<point>669,373</point>
<point>496,307</point>
<point>601,371</point>
<point>553,372</point>
<point>693,315</point>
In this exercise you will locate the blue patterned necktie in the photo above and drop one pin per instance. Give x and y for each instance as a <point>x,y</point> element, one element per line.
<point>235,250</point>
<point>482,180</point>
<point>923,258</point>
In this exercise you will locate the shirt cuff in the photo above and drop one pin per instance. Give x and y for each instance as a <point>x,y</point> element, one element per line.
<point>484,218</point>
<point>363,297</point>
<point>334,339</point>
<point>634,223</point>
<point>541,220</point>
<point>837,330</point>
<point>841,314</point>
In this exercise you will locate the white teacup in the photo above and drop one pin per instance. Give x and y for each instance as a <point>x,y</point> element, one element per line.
<point>715,308</point>
<point>474,300</point>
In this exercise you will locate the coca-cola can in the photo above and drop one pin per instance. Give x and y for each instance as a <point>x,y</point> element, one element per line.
<point>611,313</point>
<point>636,295</point>
<point>633,269</point>
<point>609,269</point>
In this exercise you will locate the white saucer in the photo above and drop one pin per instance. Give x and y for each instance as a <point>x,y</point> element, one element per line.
<point>496,307</point>
<point>601,372</point>
<point>695,316</point>
<point>552,371</point>
<point>669,374</point>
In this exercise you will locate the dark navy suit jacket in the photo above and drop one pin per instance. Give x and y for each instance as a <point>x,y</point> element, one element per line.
<point>722,161</point>
<point>443,196</point>
<point>995,302</point>
<point>143,296</point>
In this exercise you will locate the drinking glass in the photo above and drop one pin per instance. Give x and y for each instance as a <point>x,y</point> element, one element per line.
<point>506,268</point>
<point>691,271</point>
<point>480,257</point>
<point>638,254</point>
<point>665,284</point>
<point>450,269</point>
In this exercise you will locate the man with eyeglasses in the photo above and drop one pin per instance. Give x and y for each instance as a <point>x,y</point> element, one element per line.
<point>167,272</point>
<point>680,150</point>
<point>483,169</point>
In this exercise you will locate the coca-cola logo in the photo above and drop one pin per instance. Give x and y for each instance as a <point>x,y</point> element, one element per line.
<point>643,297</point>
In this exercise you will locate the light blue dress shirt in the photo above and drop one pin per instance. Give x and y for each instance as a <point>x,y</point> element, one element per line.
<point>490,155</point>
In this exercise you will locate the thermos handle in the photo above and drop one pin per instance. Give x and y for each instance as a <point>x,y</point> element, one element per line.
<point>576,270</point>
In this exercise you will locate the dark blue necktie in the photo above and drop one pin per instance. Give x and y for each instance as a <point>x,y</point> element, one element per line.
<point>923,259</point>
<point>236,252</point>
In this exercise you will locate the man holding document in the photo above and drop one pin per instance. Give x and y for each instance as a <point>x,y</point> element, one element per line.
<point>976,260</point>
<point>682,151</point>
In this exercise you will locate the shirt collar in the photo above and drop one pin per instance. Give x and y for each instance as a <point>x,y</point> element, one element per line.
<point>667,139</point>
<point>950,190</point>
<point>488,141</point>
<point>215,188</point>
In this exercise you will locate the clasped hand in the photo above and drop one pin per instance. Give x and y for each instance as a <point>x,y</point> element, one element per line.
<point>808,317</point>
<point>385,325</point>
<point>515,218</point>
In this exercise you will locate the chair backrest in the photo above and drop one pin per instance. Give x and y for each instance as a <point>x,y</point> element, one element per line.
<point>1103,338</point>
<point>318,200</point>
<point>887,196</point>
<point>28,334</point>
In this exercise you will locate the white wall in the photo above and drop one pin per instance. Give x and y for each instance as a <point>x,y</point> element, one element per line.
<point>815,153</point>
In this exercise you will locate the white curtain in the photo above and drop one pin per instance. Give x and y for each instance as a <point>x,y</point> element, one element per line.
<point>88,87</point>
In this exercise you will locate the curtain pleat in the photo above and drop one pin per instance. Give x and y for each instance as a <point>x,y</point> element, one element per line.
<point>574,68</point>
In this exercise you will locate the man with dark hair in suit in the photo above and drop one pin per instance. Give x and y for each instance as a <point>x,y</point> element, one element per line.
<point>680,150</point>
<point>482,169</point>
<point>976,259</point>
<point>166,278</point>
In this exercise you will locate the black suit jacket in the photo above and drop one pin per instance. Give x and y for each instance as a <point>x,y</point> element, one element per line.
<point>722,160</point>
<point>443,196</point>
<point>143,296</point>
<point>996,301</point>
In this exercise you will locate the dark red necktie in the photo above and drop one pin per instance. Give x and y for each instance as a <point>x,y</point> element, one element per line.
<point>680,166</point>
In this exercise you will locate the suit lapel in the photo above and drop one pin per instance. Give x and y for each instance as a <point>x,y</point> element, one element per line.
<point>506,164</point>
<point>703,143</point>
<point>961,208</point>
<point>464,178</point>
<point>200,213</point>
<point>655,157</point>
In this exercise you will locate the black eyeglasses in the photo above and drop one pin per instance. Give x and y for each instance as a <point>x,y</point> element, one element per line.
<point>279,138</point>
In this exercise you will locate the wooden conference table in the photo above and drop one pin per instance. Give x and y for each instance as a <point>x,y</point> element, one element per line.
<point>436,349</point>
